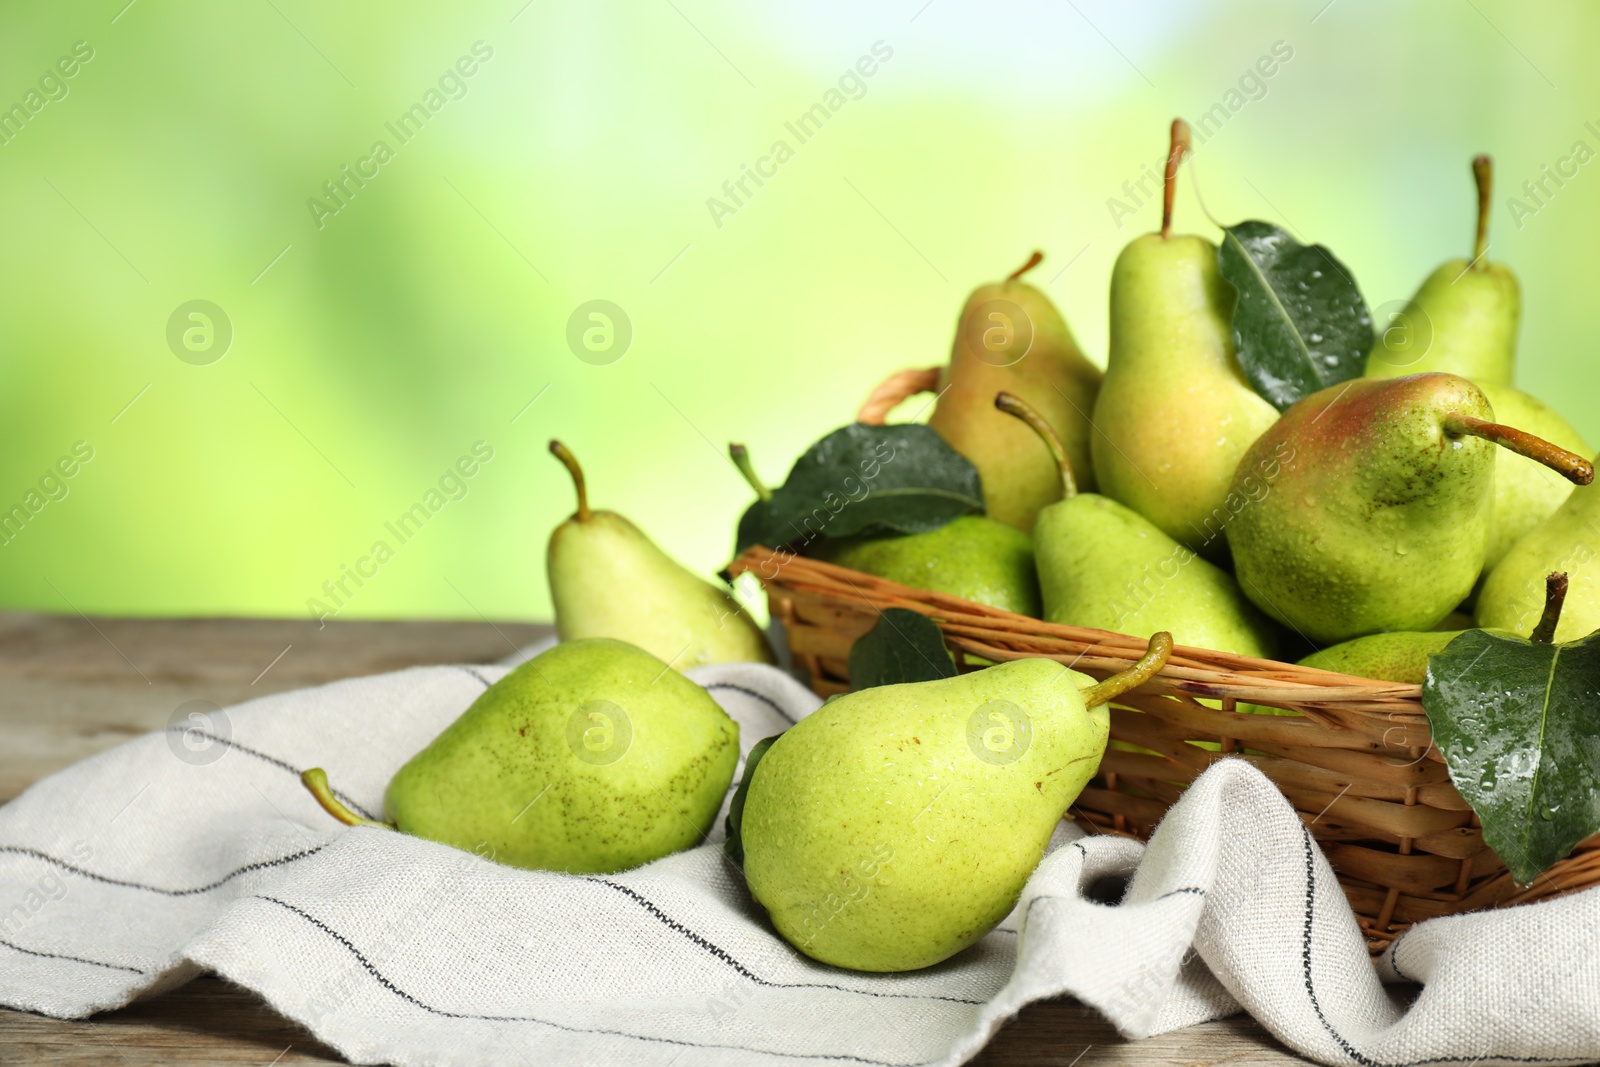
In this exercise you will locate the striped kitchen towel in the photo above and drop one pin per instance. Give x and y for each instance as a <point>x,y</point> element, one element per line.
<point>196,849</point>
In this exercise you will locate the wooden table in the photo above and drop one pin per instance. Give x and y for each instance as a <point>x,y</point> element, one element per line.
<point>70,687</point>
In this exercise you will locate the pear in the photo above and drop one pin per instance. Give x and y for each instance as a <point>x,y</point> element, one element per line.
<point>608,579</point>
<point>1369,504</point>
<point>972,557</point>
<point>1105,566</point>
<point>1463,320</point>
<point>1010,336</point>
<point>1175,411</point>
<point>895,826</point>
<point>1513,596</point>
<point>1525,492</point>
<point>1392,657</point>
<point>590,758</point>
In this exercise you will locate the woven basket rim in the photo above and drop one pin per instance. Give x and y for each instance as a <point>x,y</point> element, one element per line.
<point>1202,671</point>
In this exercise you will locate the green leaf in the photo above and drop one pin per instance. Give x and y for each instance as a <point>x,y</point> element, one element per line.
<point>866,479</point>
<point>753,526</point>
<point>1517,723</point>
<point>903,646</point>
<point>734,845</point>
<point>1300,323</point>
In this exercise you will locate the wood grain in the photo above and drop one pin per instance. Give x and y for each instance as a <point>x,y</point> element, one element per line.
<point>71,687</point>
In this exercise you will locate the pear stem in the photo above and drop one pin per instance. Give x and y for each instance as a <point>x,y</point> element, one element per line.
<point>1555,595</point>
<point>1033,261</point>
<point>1571,466</point>
<point>568,460</point>
<point>741,459</point>
<point>1148,667</point>
<point>1015,405</point>
<point>316,783</point>
<point>1169,185</point>
<point>1483,175</point>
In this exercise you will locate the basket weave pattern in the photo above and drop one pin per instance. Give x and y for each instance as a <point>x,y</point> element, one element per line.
<point>1356,759</point>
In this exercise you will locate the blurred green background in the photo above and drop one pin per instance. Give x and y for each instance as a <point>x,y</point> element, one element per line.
<point>371,348</point>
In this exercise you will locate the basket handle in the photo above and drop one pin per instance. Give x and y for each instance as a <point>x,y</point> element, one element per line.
<point>899,386</point>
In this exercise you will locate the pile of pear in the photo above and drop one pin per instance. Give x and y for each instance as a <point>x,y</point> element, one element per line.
<point>1361,528</point>
<point>1166,494</point>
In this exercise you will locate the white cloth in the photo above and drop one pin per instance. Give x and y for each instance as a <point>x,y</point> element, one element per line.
<point>197,849</point>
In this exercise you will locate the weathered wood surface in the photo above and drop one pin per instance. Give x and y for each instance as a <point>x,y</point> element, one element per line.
<point>71,687</point>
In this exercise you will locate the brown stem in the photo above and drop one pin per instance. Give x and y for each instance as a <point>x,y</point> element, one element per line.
<point>1148,667</point>
<point>1571,466</point>
<point>1015,405</point>
<point>1169,186</point>
<point>741,459</point>
<point>1555,594</point>
<point>564,454</point>
<point>1483,174</point>
<point>316,783</point>
<point>1033,261</point>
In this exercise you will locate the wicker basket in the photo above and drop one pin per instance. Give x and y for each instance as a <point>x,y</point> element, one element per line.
<point>1357,762</point>
<point>1357,759</point>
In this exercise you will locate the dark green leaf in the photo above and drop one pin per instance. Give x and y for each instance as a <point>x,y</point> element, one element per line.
<point>1300,323</point>
<point>1519,725</point>
<point>734,845</point>
<point>752,526</point>
<point>866,479</point>
<point>903,646</point>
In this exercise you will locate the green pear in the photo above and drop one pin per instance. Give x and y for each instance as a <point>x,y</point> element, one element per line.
<point>1392,657</point>
<point>1464,318</point>
<point>1175,411</point>
<point>1513,596</point>
<point>972,557</point>
<point>607,579</point>
<point>895,826</point>
<point>1010,336</point>
<point>1105,566</point>
<point>1525,492</point>
<point>1372,505</point>
<point>590,758</point>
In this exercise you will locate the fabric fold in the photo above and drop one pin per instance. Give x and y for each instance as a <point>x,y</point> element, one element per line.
<point>196,849</point>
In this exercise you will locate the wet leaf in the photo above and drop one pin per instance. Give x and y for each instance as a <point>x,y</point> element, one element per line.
<point>903,646</point>
<point>866,479</point>
<point>1518,722</point>
<point>1300,324</point>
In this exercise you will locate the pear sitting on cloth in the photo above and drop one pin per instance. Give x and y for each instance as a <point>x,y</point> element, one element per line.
<point>897,825</point>
<point>592,757</point>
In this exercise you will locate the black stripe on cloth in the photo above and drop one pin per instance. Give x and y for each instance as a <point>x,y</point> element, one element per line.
<point>755,695</point>
<point>1188,890</point>
<point>74,959</point>
<point>1394,960</point>
<point>745,972</point>
<point>276,762</point>
<point>259,865</point>
<point>1344,1044</point>
<point>475,674</point>
<point>388,984</point>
